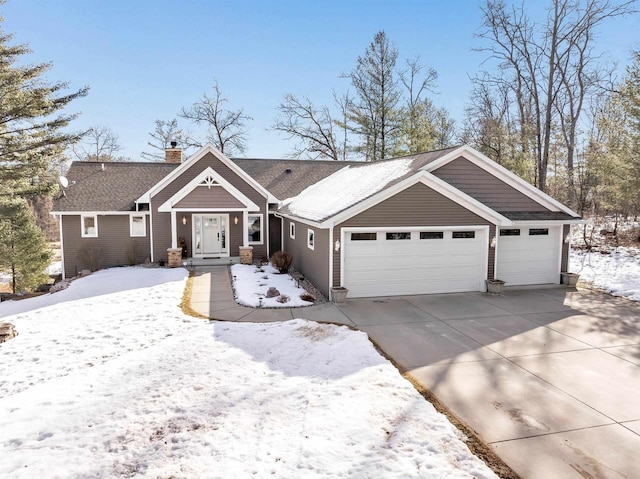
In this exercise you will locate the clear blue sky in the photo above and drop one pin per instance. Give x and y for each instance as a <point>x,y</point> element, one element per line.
<point>145,60</point>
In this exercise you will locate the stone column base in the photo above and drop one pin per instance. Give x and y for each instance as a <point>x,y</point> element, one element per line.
<point>246,254</point>
<point>174,257</point>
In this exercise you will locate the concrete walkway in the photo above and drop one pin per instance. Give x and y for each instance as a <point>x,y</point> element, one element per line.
<point>549,377</point>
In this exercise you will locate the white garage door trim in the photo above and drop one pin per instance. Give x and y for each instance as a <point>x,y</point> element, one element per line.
<point>518,269</point>
<point>482,234</point>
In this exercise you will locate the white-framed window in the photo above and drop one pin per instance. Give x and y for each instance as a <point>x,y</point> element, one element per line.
<point>137,225</point>
<point>292,230</point>
<point>89,226</point>
<point>255,231</point>
<point>311,238</point>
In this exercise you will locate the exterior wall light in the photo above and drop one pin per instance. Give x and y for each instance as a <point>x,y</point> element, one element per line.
<point>235,220</point>
<point>336,246</point>
<point>184,220</point>
<point>493,242</point>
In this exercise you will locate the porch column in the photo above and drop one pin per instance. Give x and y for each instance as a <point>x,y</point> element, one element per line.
<point>174,240</point>
<point>245,228</point>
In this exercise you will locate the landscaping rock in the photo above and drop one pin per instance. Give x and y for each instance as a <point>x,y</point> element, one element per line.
<point>7,331</point>
<point>272,293</point>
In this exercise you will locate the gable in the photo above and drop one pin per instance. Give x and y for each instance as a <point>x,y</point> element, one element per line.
<point>214,197</point>
<point>485,187</point>
<point>195,170</point>
<point>417,205</point>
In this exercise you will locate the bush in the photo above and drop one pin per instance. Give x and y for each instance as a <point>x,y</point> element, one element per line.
<point>283,298</point>
<point>90,257</point>
<point>281,260</point>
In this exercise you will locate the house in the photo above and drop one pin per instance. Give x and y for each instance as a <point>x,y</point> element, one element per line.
<point>434,222</point>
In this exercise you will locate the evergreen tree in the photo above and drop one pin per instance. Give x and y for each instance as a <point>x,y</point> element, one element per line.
<point>374,113</point>
<point>31,123</point>
<point>24,252</point>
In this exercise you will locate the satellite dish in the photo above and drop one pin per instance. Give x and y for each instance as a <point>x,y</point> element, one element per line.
<point>64,182</point>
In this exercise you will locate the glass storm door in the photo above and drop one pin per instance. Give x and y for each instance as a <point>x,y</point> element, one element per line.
<point>209,235</point>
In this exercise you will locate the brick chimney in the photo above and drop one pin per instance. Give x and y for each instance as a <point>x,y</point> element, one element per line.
<point>173,154</point>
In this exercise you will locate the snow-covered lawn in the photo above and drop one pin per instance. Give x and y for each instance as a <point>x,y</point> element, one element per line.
<point>108,378</point>
<point>617,272</point>
<point>251,283</point>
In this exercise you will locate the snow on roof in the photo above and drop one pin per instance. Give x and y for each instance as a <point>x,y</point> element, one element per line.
<point>345,188</point>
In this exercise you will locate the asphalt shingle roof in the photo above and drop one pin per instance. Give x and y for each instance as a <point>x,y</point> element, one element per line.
<point>113,189</point>
<point>537,215</point>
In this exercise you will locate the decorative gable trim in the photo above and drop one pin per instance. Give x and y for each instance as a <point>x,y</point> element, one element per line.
<point>430,181</point>
<point>146,198</point>
<point>503,174</point>
<point>211,179</point>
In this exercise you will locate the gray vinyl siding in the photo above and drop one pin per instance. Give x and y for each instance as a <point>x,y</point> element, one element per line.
<point>312,263</point>
<point>418,205</point>
<point>564,263</point>
<point>113,242</point>
<point>485,187</point>
<point>275,234</point>
<point>161,222</point>
<point>214,197</point>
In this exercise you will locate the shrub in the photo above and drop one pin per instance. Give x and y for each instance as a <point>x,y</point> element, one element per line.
<point>91,257</point>
<point>307,297</point>
<point>283,298</point>
<point>281,260</point>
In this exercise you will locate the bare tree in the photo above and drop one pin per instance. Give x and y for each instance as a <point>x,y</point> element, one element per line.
<point>226,129</point>
<point>313,127</point>
<point>547,68</point>
<point>164,133</point>
<point>98,143</point>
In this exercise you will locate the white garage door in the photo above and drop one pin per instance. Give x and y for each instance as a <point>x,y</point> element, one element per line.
<point>390,263</point>
<point>529,255</point>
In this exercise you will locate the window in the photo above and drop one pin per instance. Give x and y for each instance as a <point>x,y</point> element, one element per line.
<point>89,225</point>
<point>292,230</point>
<point>431,234</point>
<point>399,236</point>
<point>364,236</point>
<point>538,231</point>
<point>510,232</point>
<point>310,239</point>
<point>463,234</point>
<point>137,225</point>
<point>254,225</point>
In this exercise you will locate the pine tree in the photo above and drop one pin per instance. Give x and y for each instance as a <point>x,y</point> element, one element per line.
<point>375,111</point>
<point>24,252</point>
<point>31,123</point>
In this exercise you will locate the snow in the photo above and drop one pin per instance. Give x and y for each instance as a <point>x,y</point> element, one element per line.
<point>251,283</point>
<point>109,378</point>
<point>617,272</point>
<point>345,188</point>
<point>54,268</point>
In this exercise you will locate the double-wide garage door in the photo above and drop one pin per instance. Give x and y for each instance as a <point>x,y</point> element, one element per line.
<point>388,263</point>
<point>529,255</point>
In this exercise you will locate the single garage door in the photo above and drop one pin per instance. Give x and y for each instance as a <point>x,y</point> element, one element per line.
<point>529,255</point>
<point>391,263</point>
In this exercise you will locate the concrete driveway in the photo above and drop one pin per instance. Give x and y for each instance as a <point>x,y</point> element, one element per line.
<point>548,377</point>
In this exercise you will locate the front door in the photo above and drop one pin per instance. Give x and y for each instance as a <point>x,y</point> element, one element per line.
<point>210,236</point>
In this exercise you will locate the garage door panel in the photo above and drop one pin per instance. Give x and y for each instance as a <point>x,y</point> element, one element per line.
<point>529,259</point>
<point>387,267</point>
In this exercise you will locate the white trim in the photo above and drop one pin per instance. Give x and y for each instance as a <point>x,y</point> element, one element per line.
<point>292,229</point>
<point>245,230</point>
<point>500,172</point>
<point>307,222</point>
<point>311,239</point>
<point>151,234</point>
<point>144,225</point>
<point>99,213</point>
<point>331,253</point>
<point>262,230</point>
<point>430,181</point>
<point>174,230</point>
<point>196,182</point>
<point>197,156</point>
<point>266,238</point>
<point>95,225</point>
